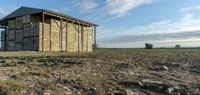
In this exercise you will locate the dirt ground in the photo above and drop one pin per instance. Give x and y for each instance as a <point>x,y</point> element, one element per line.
<point>104,72</point>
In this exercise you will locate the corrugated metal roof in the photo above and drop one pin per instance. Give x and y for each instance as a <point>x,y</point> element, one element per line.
<point>28,11</point>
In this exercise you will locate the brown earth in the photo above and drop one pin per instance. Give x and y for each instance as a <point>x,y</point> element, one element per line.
<point>104,72</point>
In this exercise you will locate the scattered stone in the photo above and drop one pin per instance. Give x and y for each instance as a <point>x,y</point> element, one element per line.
<point>165,68</point>
<point>131,83</point>
<point>173,64</point>
<point>13,75</point>
<point>156,86</point>
<point>92,91</point>
<point>47,92</point>
<point>3,92</point>
<point>170,90</point>
<point>118,93</point>
<point>66,88</point>
<point>67,93</point>
<point>21,62</point>
<point>66,76</point>
<point>129,92</point>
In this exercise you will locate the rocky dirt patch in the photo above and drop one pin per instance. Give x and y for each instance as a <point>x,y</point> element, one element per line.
<point>105,72</point>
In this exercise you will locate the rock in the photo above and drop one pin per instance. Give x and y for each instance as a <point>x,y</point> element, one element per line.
<point>129,92</point>
<point>59,85</point>
<point>173,64</point>
<point>66,88</point>
<point>131,83</point>
<point>13,75</point>
<point>171,90</point>
<point>156,86</point>
<point>118,93</point>
<point>78,93</point>
<point>67,93</point>
<point>92,91</point>
<point>151,82</point>
<point>165,68</point>
<point>47,92</point>
<point>3,92</point>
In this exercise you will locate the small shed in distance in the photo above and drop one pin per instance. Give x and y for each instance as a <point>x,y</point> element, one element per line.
<point>33,29</point>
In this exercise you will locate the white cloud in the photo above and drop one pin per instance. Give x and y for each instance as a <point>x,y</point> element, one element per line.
<point>87,5</point>
<point>122,7</point>
<point>4,10</point>
<point>159,31</point>
<point>65,9</point>
<point>112,8</point>
<point>191,9</point>
<point>187,23</point>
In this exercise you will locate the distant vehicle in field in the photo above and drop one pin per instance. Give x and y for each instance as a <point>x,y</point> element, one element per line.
<point>148,46</point>
<point>177,46</point>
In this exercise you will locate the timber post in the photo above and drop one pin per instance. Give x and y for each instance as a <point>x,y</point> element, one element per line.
<point>66,44</point>
<point>43,14</point>
<point>5,39</point>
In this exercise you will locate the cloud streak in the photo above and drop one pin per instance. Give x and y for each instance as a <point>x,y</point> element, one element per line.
<point>191,9</point>
<point>4,10</point>
<point>162,32</point>
<point>86,6</point>
<point>120,8</point>
<point>111,8</point>
<point>153,37</point>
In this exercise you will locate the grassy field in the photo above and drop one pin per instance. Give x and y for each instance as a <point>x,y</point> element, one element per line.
<point>103,72</point>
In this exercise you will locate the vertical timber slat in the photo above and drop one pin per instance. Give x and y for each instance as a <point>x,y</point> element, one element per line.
<point>66,36</point>
<point>50,37</point>
<point>5,39</point>
<point>95,29</point>
<point>82,34</point>
<point>61,32</point>
<point>78,37</point>
<point>43,31</point>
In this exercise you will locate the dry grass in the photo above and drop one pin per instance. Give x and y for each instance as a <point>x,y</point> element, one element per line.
<point>11,85</point>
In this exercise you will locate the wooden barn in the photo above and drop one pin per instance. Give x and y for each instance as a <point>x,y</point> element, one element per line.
<point>33,29</point>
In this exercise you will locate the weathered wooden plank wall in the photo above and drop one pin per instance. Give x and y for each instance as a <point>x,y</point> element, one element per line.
<point>90,39</point>
<point>71,41</point>
<point>25,33</point>
<point>46,36</point>
<point>55,35</point>
<point>2,40</point>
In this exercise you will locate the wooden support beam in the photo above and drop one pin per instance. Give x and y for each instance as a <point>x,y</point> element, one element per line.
<point>77,30</point>
<point>57,24</point>
<point>50,40</point>
<point>67,19</point>
<point>78,37</point>
<point>87,39</point>
<point>82,37</point>
<point>43,14</point>
<point>66,36</point>
<point>75,34</point>
<point>61,36</point>
<point>5,39</point>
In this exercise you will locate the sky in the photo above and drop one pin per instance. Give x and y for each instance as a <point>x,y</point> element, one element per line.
<point>129,23</point>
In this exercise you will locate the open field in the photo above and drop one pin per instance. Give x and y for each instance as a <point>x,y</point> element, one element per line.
<point>104,72</point>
